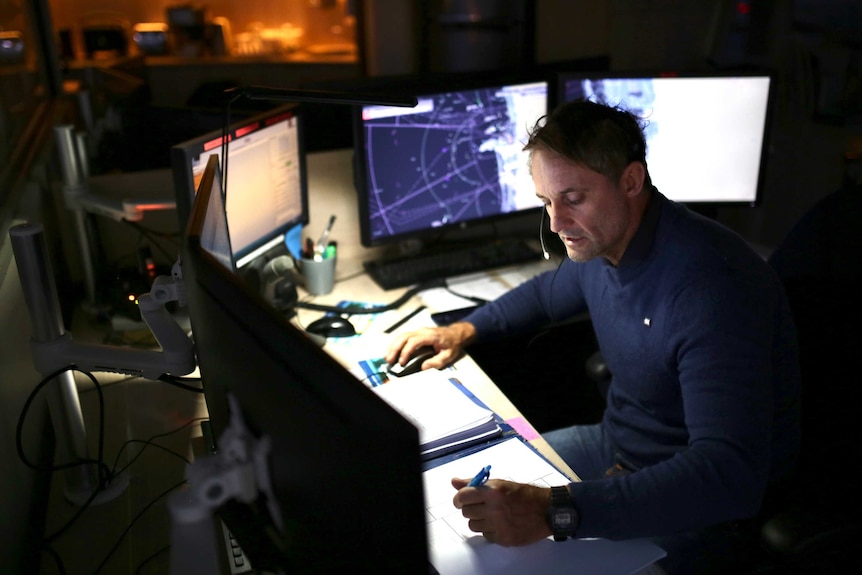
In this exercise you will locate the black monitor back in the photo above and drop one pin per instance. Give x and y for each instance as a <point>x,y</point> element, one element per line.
<point>345,468</point>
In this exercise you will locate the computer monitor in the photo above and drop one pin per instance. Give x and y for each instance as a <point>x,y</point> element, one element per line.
<point>706,134</point>
<point>453,161</point>
<point>345,467</point>
<point>266,188</point>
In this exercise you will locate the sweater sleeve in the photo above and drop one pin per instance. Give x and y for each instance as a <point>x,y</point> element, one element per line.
<point>548,297</point>
<point>722,341</point>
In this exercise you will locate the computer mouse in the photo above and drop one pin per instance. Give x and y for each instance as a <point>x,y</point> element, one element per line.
<point>414,364</point>
<point>331,326</point>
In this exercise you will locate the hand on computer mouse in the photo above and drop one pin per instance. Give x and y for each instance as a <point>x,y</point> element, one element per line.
<point>413,363</point>
<point>447,342</point>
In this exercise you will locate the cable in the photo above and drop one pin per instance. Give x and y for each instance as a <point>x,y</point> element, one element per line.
<point>104,474</point>
<point>74,518</point>
<point>150,441</point>
<point>472,298</point>
<point>58,561</point>
<point>147,443</point>
<point>155,554</point>
<point>351,276</point>
<point>358,310</point>
<point>179,382</point>
<point>151,235</point>
<point>545,253</point>
<point>132,523</point>
<point>114,473</point>
<point>19,430</point>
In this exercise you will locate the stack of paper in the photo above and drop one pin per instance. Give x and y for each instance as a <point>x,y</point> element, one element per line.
<point>447,416</point>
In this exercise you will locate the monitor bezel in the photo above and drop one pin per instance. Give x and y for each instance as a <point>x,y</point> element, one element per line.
<point>559,98</point>
<point>428,87</point>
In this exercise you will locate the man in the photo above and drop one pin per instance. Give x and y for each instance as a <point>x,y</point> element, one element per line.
<point>702,410</point>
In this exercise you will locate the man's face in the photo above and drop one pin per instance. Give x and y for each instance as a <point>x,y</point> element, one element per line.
<point>591,214</point>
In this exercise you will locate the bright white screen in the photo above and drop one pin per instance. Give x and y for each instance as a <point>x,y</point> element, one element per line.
<point>704,135</point>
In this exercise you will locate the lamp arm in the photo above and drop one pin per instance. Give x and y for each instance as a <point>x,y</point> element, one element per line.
<point>271,94</point>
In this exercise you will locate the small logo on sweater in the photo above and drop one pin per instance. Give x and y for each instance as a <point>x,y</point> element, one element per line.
<point>647,321</point>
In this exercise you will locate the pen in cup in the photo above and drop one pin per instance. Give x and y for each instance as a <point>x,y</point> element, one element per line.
<point>323,242</point>
<point>480,477</point>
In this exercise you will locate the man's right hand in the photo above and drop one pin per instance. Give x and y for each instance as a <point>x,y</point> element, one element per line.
<point>448,343</point>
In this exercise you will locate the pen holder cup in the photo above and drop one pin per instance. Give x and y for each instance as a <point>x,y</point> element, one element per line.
<point>318,275</point>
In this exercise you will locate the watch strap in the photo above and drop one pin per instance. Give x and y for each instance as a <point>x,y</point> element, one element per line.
<point>562,507</point>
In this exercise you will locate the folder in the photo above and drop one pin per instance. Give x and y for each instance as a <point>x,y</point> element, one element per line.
<point>449,417</point>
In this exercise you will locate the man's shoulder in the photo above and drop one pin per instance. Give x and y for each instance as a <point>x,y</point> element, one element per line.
<point>697,253</point>
<point>687,234</point>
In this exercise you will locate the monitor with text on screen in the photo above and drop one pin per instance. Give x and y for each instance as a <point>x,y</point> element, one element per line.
<point>453,161</point>
<point>266,188</point>
<point>706,134</point>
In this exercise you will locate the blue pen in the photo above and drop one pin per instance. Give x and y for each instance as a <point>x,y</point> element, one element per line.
<point>481,477</point>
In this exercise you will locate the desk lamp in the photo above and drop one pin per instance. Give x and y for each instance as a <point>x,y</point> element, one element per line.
<point>54,349</point>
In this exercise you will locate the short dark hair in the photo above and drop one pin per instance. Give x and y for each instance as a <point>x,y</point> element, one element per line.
<point>605,139</point>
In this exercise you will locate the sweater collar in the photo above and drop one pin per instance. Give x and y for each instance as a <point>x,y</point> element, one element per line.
<point>639,247</point>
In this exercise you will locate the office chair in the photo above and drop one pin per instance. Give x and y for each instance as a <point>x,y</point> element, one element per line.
<point>820,265</point>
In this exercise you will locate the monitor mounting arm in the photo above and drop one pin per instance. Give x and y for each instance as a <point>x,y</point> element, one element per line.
<point>54,350</point>
<point>176,356</point>
<point>72,151</point>
<point>238,471</point>
<point>81,200</point>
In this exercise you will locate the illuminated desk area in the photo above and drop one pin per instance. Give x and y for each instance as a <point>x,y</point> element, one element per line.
<point>331,192</point>
<point>140,409</point>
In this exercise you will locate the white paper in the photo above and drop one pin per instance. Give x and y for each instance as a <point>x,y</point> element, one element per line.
<point>455,550</point>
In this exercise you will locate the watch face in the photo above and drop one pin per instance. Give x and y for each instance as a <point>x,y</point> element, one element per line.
<point>564,519</point>
<point>563,515</point>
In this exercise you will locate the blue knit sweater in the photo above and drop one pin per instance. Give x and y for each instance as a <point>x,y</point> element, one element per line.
<point>704,399</point>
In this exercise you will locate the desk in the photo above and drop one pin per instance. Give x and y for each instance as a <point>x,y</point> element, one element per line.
<point>140,409</point>
<point>362,288</point>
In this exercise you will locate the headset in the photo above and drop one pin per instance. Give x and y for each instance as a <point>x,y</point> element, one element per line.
<point>545,253</point>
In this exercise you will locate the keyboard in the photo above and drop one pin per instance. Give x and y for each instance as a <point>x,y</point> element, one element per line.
<point>237,561</point>
<point>416,269</point>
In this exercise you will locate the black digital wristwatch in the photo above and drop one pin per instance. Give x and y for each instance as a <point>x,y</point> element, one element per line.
<point>562,515</point>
